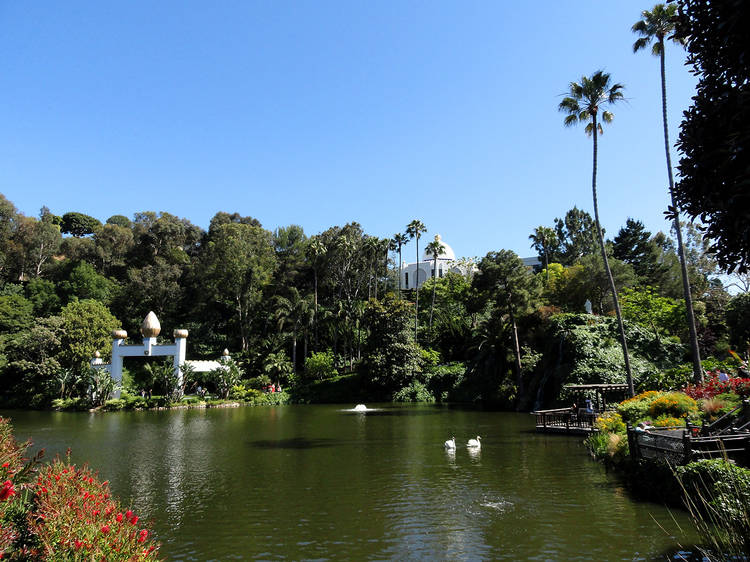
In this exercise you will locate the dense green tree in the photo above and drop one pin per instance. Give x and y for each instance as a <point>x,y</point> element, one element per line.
<point>512,288</point>
<point>112,244</point>
<point>86,328</point>
<point>656,26</point>
<point>79,224</point>
<point>120,220</point>
<point>43,295</point>
<point>8,219</point>
<point>582,106</point>
<point>16,313</point>
<point>391,356</point>
<point>544,241</point>
<point>290,244</point>
<point>83,282</point>
<point>661,314</point>
<point>237,264</point>
<point>715,132</point>
<point>33,363</point>
<point>634,245</point>
<point>576,235</point>
<point>166,236</point>
<point>415,229</point>
<point>738,320</point>
<point>595,281</point>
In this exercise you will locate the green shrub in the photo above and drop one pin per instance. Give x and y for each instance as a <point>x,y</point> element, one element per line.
<point>717,493</point>
<point>70,404</point>
<point>320,366</point>
<point>414,392</point>
<point>609,447</point>
<point>134,402</point>
<point>114,404</point>
<point>430,357</point>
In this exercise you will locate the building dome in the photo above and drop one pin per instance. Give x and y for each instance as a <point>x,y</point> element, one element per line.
<point>447,254</point>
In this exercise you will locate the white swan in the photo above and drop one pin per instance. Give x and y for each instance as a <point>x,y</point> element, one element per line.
<point>360,408</point>
<point>475,443</point>
<point>451,443</point>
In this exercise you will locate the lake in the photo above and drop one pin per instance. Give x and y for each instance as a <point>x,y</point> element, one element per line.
<point>322,482</point>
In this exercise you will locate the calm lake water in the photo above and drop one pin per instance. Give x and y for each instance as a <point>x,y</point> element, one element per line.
<point>320,482</point>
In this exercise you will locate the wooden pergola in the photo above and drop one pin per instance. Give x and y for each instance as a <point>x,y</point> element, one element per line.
<point>602,392</point>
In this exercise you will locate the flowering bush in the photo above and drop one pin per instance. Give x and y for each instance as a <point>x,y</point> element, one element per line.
<point>714,386</point>
<point>673,404</point>
<point>77,517</point>
<point>636,408</point>
<point>62,512</point>
<point>610,422</point>
<point>667,421</point>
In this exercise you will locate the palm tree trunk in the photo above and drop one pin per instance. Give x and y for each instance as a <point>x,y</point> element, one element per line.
<point>416,305</point>
<point>315,303</point>
<point>399,272</point>
<point>697,368</point>
<point>434,283</point>
<point>516,351</point>
<point>621,326</point>
<point>294,352</point>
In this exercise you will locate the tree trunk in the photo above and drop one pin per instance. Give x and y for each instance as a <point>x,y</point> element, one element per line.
<point>294,352</point>
<point>416,305</point>
<point>399,272</point>
<point>315,307</point>
<point>516,350</point>
<point>697,368</point>
<point>621,326</point>
<point>434,284</point>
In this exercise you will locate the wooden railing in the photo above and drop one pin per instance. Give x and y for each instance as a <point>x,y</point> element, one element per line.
<point>737,418</point>
<point>680,446</point>
<point>565,419</point>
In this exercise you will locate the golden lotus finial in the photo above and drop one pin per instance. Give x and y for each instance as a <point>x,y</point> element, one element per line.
<point>150,327</point>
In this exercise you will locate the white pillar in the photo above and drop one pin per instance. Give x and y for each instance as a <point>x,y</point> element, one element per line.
<point>180,343</point>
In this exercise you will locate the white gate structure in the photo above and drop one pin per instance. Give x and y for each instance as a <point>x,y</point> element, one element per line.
<point>150,329</point>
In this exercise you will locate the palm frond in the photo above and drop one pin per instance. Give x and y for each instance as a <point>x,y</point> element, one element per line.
<point>607,116</point>
<point>571,120</point>
<point>640,43</point>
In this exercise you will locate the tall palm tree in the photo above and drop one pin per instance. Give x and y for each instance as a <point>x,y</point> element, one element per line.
<point>400,240</point>
<point>315,250</point>
<point>415,229</point>
<point>543,237</point>
<point>293,312</point>
<point>656,26</point>
<point>582,105</point>
<point>434,249</point>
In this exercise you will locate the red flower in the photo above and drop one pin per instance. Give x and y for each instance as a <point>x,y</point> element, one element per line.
<point>119,517</point>
<point>105,529</point>
<point>7,490</point>
<point>134,520</point>
<point>128,514</point>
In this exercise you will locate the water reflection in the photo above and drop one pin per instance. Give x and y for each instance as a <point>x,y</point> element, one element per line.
<point>311,482</point>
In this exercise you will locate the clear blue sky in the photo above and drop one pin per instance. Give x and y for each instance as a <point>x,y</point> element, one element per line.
<point>318,113</point>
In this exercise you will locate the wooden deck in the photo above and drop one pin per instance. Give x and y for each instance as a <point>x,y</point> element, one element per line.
<point>565,420</point>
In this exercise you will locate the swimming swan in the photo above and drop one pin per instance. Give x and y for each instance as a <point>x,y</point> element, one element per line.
<point>475,443</point>
<point>451,443</point>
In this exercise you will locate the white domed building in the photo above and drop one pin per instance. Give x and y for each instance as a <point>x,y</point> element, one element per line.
<point>414,275</point>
